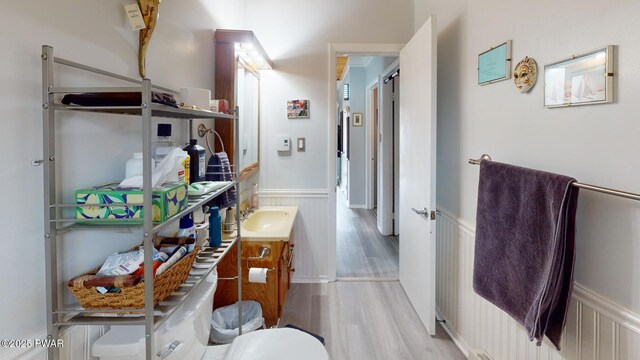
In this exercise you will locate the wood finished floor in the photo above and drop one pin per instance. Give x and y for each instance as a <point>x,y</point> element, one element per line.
<point>365,321</point>
<point>362,252</point>
<point>365,318</point>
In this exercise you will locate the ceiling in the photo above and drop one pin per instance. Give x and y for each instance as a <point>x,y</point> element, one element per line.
<point>341,61</point>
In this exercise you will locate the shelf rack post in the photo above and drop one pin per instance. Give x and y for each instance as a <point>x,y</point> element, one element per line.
<point>236,163</point>
<point>50,212</point>
<point>147,222</point>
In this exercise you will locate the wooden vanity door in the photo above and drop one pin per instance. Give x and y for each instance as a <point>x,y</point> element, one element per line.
<point>290,269</point>
<point>283,277</point>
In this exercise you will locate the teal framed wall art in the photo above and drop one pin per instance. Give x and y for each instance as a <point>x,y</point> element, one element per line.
<point>495,64</point>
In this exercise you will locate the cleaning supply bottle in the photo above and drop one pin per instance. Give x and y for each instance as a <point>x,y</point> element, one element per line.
<point>215,227</point>
<point>134,165</point>
<point>229,221</point>
<point>183,174</point>
<point>163,145</point>
<point>197,166</point>
<point>187,229</point>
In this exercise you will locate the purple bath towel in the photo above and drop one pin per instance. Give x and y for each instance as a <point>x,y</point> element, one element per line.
<point>524,252</point>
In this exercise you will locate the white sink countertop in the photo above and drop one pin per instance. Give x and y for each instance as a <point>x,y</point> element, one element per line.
<point>269,223</point>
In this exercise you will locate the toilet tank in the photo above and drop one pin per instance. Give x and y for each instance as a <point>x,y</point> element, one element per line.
<point>186,331</point>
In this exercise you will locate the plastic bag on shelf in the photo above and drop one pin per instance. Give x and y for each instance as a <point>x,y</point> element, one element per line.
<point>170,164</point>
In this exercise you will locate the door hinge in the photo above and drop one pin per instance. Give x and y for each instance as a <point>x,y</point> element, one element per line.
<point>433,215</point>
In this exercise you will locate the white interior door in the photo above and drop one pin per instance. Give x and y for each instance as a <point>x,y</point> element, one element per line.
<point>417,172</point>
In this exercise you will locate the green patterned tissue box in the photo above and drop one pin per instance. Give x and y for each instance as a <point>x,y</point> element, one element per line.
<point>168,200</point>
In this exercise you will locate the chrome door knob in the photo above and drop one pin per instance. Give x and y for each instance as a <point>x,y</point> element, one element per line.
<point>424,211</point>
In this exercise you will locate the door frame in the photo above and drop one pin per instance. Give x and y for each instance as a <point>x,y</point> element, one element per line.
<point>373,49</point>
<point>371,140</point>
<point>389,217</point>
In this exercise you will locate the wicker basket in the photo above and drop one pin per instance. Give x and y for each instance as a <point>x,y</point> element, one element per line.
<point>132,297</point>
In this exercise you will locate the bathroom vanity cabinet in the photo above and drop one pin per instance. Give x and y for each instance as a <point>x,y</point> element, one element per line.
<point>271,295</point>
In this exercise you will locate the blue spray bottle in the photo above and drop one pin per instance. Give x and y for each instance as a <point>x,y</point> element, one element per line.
<point>215,227</point>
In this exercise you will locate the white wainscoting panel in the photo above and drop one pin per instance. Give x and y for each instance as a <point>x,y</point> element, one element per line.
<point>77,342</point>
<point>310,230</point>
<point>597,329</point>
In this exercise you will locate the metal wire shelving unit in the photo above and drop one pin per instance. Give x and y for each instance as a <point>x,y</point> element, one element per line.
<point>59,316</point>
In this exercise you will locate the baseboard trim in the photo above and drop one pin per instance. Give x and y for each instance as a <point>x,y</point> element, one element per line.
<point>310,280</point>
<point>460,343</point>
<point>298,193</point>
<point>366,279</point>
<point>358,206</point>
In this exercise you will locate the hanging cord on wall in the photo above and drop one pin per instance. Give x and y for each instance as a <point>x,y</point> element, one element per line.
<point>203,131</point>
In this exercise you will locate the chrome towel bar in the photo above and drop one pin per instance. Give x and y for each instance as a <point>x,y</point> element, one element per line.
<point>600,189</point>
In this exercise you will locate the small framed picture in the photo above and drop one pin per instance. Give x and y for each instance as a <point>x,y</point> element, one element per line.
<point>495,64</point>
<point>298,109</point>
<point>580,80</point>
<point>357,119</point>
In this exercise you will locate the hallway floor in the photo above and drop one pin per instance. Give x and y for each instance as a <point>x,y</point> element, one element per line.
<point>362,252</point>
<point>365,320</point>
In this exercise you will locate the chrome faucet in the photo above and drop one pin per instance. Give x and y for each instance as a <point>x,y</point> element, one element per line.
<point>245,214</point>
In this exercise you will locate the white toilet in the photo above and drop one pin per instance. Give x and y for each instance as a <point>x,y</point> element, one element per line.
<point>184,336</point>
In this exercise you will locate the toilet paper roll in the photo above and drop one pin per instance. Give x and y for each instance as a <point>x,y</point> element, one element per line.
<point>258,275</point>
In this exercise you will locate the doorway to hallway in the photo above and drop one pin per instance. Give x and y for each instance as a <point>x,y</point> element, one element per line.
<point>367,246</point>
<point>417,260</point>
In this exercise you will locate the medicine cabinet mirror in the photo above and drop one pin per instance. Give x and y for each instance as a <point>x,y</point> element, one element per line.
<point>248,97</point>
<point>239,58</point>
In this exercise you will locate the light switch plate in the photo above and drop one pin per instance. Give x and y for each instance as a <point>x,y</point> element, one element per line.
<point>302,144</point>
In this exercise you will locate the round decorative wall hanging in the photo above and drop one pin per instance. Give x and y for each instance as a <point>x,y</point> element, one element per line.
<point>525,74</point>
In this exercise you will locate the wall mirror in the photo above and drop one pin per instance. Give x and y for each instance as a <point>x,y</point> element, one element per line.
<point>239,60</point>
<point>582,79</point>
<point>248,97</point>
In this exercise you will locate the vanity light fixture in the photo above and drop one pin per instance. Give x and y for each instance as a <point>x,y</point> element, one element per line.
<point>247,47</point>
<point>250,56</point>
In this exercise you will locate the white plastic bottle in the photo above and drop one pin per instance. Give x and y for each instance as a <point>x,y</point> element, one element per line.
<point>134,165</point>
<point>254,197</point>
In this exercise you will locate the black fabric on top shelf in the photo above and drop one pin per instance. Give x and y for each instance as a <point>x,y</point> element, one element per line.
<point>118,99</point>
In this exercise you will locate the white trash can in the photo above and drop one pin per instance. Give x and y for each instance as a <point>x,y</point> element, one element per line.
<point>224,321</point>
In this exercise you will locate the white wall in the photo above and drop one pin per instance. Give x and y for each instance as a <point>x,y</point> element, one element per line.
<point>296,35</point>
<point>93,148</point>
<point>298,47</point>
<point>596,144</point>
